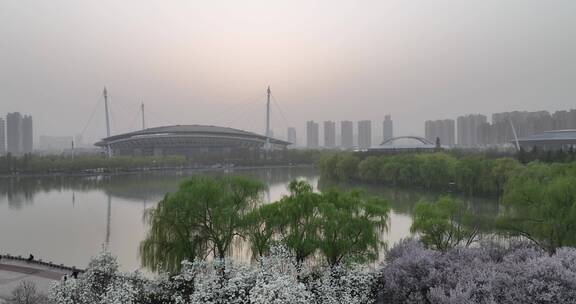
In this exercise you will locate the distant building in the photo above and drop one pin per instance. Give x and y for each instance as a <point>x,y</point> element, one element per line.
<point>14,133</point>
<point>19,134</point>
<point>2,137</point>
<point>476,131</point>
<point>195,142</point>
<point>564,120</point>
<point>364,134</point>
<point>468,129</point>
<point>291,136</point>
<point>54,143</point>
<point>329,134</point>
<point>550,140</point>
<point>312,135</point>
<point>387,128</point>
<point>27,134</point>
<point>442,129</point>
<point>525,123</point>
<point>347,134</point>
<point>78,141</point>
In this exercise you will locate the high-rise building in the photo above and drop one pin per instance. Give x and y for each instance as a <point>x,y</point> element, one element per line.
<point>27,134</point>
<point>329,134</point>
<point>387,128</point>
<point>525,124</point>
<point>312,135</point>
<point>364,134</point>
<point>14,133</point>
<point>347,134</point>
<point>449,132</point>
<point>54,143</point>
<point>442,130</point>
<point>291,136</point>
<point>2,137</point>
<point>474,130</point>
<point>564,120</point>
<point>468,127</point>
<point>19,134</point>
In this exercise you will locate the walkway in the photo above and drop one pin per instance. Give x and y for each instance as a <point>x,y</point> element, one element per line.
<point>12,272</point>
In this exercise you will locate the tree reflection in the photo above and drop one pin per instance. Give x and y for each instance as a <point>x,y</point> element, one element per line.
<point>139,187</point>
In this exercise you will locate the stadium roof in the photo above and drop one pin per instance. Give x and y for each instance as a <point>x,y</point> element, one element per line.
<point>198,130</point>
<point>555,135</point>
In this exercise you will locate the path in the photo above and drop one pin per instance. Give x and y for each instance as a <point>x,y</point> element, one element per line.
<point>12,272</point>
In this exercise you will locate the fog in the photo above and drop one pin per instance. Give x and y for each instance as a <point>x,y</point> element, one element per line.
<point>209,62</point>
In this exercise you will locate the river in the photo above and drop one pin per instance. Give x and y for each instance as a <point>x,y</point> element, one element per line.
<point>67,220</point>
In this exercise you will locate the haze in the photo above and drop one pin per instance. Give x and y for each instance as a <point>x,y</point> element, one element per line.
<point>209,62</point>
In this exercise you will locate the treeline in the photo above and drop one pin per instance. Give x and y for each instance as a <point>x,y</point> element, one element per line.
<point>34,164</point>
<point>538,200</point>
<point>470,174</point>
<point>272,158</point>
<point>548,156</point>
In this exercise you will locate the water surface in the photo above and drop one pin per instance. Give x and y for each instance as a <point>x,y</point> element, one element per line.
<point>68,219</point>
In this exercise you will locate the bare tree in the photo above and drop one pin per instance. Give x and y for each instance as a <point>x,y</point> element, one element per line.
<point>26,293</point>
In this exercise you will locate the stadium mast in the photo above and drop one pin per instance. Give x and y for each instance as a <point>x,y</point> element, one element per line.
<point>514,133</point>
<point>143,120</point>
<point>268,93</point>
<point>108,151</point>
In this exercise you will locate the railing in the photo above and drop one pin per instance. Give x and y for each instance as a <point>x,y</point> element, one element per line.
<point>40,262</point>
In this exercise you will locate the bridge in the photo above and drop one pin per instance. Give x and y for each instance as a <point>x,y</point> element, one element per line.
<point>422,140</point>
<point>391,146</point>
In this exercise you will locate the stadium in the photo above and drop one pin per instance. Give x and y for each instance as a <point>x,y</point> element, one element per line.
<point>550,140</point>
<point>195,142</point>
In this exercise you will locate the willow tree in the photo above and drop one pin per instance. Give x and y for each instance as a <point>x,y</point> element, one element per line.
<point>444,224</point>
<point>298,226</point>
<point>200,219</point>
<point>342,226</point>
<point>540,206</point>
<point>259,228</point>
<point>350,226</point>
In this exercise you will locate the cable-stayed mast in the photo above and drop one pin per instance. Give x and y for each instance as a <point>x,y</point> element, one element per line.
<point>107,112</point>
<point>514,133</point>
<point>143,120</point>
<point>268,92</point>
<point>108,151</point>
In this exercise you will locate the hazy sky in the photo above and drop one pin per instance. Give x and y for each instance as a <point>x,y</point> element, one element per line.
<point>209,62</point>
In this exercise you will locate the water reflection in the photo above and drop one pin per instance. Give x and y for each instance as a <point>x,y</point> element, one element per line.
<point>403,200</point>
<point>149,186</point>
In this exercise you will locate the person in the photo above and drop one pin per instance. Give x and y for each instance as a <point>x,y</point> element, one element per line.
<point>65,278</point>
<point>75,274</point>
<point>30,258</point>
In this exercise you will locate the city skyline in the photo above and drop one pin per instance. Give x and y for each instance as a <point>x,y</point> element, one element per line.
<point>490,129</point>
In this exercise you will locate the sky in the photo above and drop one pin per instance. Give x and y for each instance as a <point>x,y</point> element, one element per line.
<point>209,62</point>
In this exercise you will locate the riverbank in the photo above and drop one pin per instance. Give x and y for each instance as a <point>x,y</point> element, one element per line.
<point>151,169</point>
